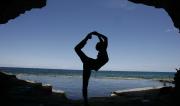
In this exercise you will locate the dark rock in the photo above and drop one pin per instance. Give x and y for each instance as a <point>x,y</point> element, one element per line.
<point>177,81</point>
<point>172,7</point>
<point>47,89</point>
<point>166,90</point>
<point>10,9</point>
<point>16,92</point>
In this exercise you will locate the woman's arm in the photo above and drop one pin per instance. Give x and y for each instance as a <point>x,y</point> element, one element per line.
<point>101,37</point>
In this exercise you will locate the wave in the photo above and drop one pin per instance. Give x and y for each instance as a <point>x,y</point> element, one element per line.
<point>20,75</point>
<point>115,75</point>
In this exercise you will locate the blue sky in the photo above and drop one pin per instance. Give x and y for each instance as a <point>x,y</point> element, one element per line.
<point>141,38</point>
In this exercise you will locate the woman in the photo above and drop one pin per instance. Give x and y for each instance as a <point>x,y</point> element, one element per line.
<point>90,63</point>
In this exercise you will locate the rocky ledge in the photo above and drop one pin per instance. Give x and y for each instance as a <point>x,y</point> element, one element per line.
<point>16,92</point>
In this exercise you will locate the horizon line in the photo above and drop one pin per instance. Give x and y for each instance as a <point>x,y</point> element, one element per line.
<point>82,69</point>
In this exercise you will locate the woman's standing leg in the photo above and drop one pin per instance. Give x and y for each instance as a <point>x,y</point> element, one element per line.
<point>86,76</point>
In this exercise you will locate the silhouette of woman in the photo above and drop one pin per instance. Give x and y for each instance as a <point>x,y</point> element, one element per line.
<point>90,63</point>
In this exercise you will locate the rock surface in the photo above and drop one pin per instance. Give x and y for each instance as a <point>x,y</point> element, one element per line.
<point>177,81</point>
<point>10,9</point>
<point>16,92</point>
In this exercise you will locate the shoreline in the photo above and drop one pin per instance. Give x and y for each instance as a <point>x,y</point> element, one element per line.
<point>21,93</point>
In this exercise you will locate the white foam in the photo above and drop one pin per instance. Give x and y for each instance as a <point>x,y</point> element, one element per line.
<point>46,84</point>
<point>58,91</point>
<point>30,81</point>
<point>135,89</point>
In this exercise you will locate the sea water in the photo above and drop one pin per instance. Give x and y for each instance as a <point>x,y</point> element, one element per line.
<point>102,83</point>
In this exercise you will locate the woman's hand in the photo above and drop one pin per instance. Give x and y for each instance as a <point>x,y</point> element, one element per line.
<point>89,36</point>
<point>95,33</point>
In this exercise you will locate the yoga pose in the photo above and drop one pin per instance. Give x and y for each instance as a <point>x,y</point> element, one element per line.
<point>90,63</point>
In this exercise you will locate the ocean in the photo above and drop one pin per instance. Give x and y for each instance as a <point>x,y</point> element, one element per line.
<point>102,83</point>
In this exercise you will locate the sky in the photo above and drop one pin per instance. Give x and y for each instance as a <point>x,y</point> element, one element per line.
<point>141,38</point>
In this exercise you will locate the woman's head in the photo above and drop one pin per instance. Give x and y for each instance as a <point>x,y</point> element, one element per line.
<point>100,46</point>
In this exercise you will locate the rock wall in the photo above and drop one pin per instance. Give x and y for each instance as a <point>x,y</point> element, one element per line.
<point>10,9</point>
